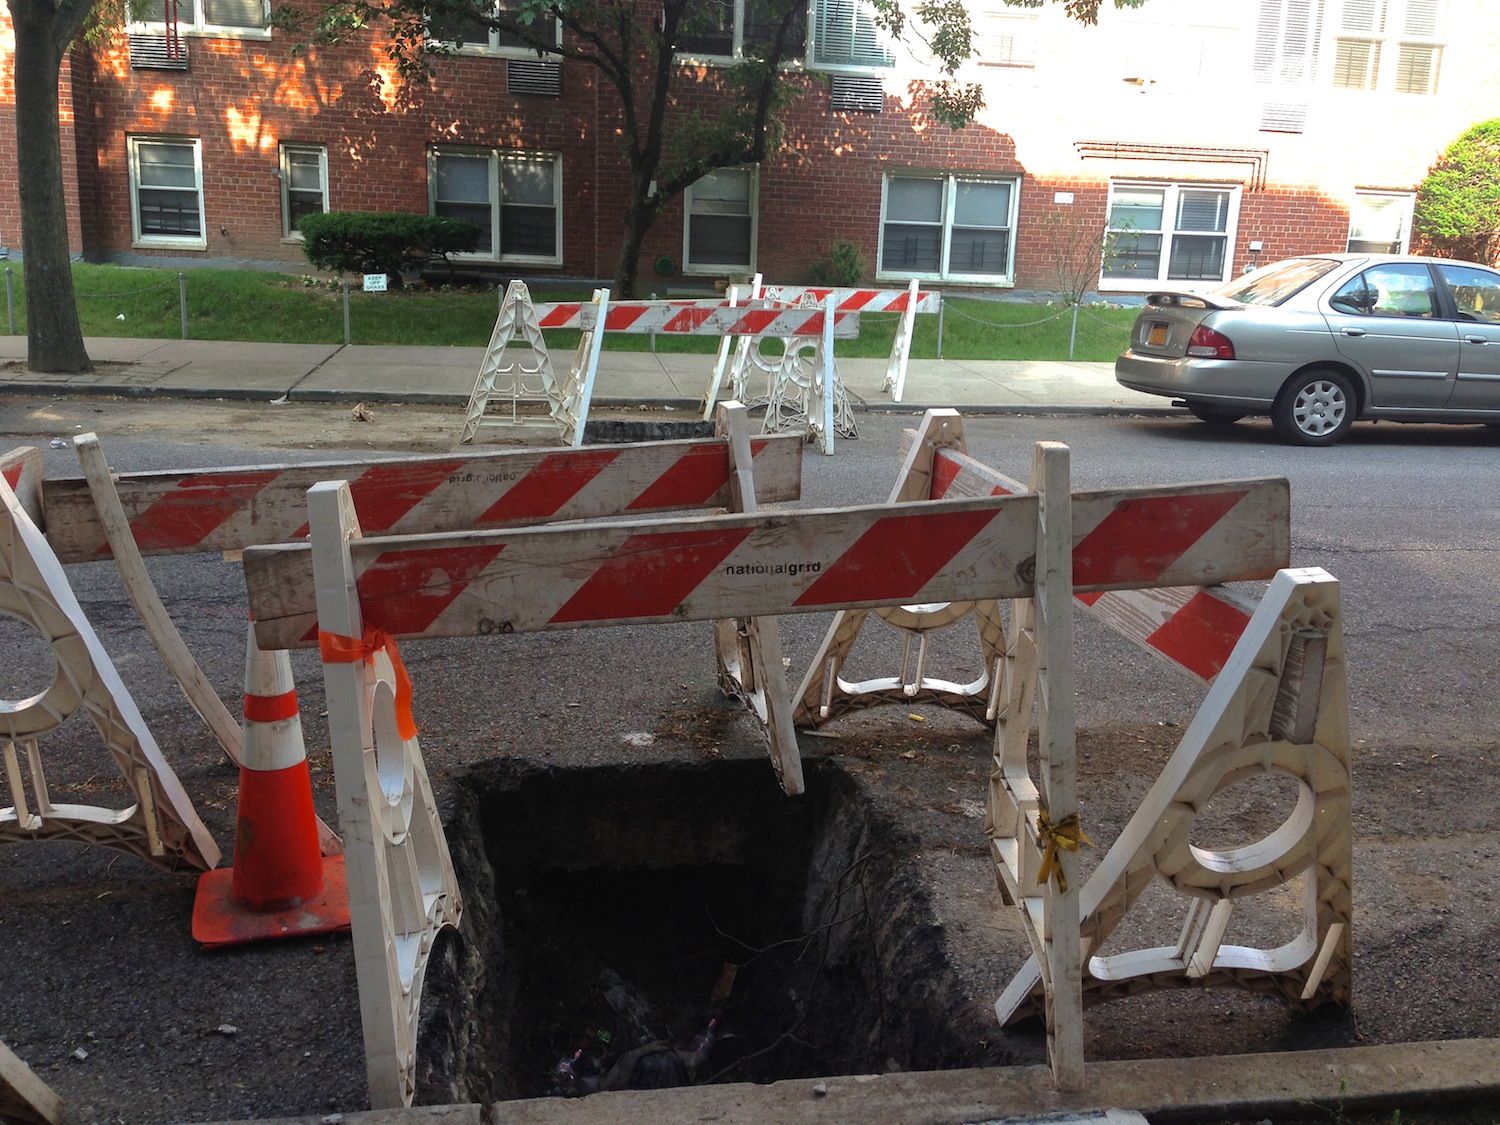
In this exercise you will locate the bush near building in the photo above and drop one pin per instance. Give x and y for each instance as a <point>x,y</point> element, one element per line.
<point>1457,211</point>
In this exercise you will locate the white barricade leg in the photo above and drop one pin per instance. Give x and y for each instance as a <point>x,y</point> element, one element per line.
<point>895,371</point>
<point>402,889</point>
<point>24,1098</point>
<point>748,649</point>
<point>159,626</point>
<point>161,825</point>
<point>730,358</point>
<point>825,693</point>
<point>1034,824</point>
<point>571,410</point>
<point>1279,707</point>
<point>517,319</point>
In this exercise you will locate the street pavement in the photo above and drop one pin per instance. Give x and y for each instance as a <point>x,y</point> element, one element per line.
<point>445,376</point>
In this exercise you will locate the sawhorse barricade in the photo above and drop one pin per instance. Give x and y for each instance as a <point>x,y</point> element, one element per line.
<point>569,397</point>
<point>654,571</point>
<point>738,359</point>
<point>132,515</point>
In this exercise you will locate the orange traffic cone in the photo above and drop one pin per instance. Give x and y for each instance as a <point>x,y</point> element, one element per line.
<point>279,886</point>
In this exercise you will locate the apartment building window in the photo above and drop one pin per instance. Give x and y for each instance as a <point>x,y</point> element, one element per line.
<point>1389,45</point>
<point>1380,222</point>
<point>212,15</point>
<point>515,199</point>
<point>1004,37</point>
<point>845,35</point>
<point>461,27</point>
<point>719,222</point>
<point>731,29</point>
<point>166,192</point>
<point>304,185</point>
<point>1169,232</point>
<point>948,228</point>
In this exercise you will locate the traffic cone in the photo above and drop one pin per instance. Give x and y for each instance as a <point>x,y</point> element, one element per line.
<point>280,885</point>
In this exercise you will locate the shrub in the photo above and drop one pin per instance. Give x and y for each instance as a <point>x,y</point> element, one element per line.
<point>1457,212</point>
<point>369,242</point>
<point>844,267</point>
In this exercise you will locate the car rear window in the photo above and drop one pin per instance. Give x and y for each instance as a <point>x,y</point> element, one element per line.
<point>1275,283</point>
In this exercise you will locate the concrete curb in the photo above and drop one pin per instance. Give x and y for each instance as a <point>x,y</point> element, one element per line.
<point>1335,1082</point>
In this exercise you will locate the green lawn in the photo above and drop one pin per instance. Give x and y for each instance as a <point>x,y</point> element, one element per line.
<point>254,305</point>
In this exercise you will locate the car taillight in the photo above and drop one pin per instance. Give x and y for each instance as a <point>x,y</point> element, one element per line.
<point>1209,344</point>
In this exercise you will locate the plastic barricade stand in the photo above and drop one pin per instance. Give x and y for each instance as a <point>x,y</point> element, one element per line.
<point>700,567</point>
<point>508,375</point>
<point>160,825</point>
<point>825,693</point>
<point>402,889</point>
<point>733,375</point>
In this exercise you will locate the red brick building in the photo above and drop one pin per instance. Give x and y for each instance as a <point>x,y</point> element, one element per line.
<point>1207,136</point>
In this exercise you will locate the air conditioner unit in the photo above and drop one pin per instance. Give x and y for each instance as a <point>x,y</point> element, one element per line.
<point>152,52</point>
<point>537,77</point>
<point>862,95</point>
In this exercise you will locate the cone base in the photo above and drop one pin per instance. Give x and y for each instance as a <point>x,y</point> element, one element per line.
<point>219,920</point>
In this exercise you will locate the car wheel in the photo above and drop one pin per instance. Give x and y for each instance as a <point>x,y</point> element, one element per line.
<point>1316,407</point>
<point>1214,415</point>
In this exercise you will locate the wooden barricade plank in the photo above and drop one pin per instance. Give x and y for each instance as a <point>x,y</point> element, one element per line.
<point>24,1098</point>
<point>22,468</point>
<point>1191,628</point>
<point>230,509</point>
<point>708,567</point>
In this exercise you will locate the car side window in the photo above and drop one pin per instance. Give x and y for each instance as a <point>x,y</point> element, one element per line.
<point>1476,292</point>
<point>1394,290</point>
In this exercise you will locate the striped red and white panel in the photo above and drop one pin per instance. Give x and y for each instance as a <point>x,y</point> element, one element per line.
<point>230,509</point>
<point>1193,628</point>
<point>22,469</point>
<point>718,318</point>
<point>713,567</point>
<point>853,300</point>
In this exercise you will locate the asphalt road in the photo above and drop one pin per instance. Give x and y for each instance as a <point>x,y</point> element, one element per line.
<point>1404,516</point>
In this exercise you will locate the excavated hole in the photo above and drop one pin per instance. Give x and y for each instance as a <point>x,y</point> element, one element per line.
<point>645,901</point>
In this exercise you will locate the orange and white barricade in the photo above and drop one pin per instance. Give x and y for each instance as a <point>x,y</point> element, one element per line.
<point>24,1098</point>
<point>703,567</point>
<point>568,397</point>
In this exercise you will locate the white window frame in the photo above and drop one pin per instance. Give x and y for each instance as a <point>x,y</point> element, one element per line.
<point>944,273</point>
<point>871,68</point>
<point>794,58</point>
<point>497,157</point>
<point>722,268</point>
<point>1388,37</point>
<point>179,242</point>
<point>193,21</point>
<point>287,148</point>
<point>1410,199</point>
<point>493,49</point>
<point>1172,190</point>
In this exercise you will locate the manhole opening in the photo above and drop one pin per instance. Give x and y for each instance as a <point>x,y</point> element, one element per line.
<point>676,925</point>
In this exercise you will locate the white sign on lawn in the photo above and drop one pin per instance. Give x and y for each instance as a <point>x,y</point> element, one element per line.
<point>375,282</point>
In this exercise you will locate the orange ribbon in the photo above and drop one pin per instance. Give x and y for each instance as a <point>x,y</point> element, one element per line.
<point>337,649</point>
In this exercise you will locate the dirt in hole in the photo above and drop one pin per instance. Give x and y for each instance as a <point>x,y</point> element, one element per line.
<point>675,924</point>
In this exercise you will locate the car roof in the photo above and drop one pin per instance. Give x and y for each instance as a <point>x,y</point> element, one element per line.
<point>1378,259</point>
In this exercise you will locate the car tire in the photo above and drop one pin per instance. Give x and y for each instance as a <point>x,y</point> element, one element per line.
<point>1214,415</point>
<point>1316,407</point>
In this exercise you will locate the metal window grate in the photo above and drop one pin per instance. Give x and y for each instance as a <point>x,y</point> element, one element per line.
<point>865,95</point>
<point>539,77</point>
<point>150,52</point>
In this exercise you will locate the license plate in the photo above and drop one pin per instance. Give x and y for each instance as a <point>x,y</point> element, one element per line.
<point>1157,336</point>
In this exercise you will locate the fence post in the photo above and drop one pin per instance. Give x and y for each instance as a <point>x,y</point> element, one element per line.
<point>345,286</point>
<point>942,304</point>
<point>1073,332</point>
<point>10,299</point>
<point>182,301</point>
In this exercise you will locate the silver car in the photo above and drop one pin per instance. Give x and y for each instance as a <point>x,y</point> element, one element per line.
<point>1318,341</point>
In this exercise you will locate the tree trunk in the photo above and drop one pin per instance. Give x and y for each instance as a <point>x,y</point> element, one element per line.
<point>638,221</point>
<point>54,339</point>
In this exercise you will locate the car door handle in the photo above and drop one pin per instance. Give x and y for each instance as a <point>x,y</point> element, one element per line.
<point>1352,331</point>
<point>1476,340</point>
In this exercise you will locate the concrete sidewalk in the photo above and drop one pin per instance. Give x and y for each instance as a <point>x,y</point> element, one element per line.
<point>445,376</point>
